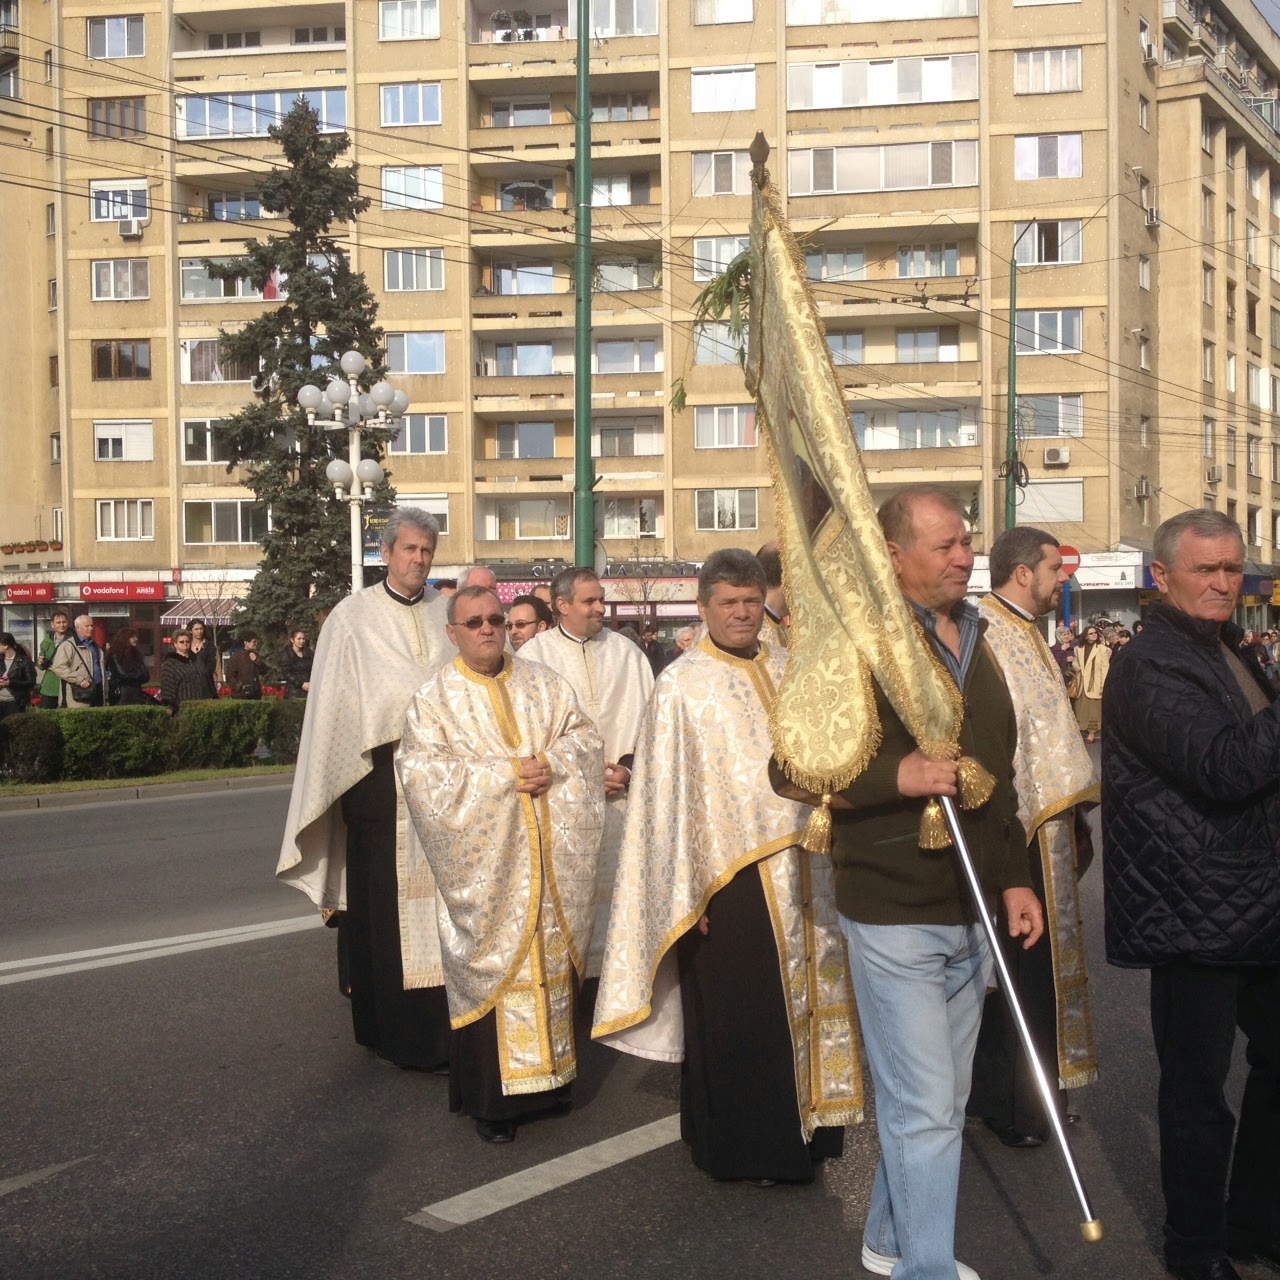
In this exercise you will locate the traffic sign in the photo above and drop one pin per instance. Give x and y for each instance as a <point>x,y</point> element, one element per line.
<point>1070,558</point>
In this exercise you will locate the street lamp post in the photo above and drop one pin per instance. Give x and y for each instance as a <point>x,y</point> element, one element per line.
<point>343,404</point>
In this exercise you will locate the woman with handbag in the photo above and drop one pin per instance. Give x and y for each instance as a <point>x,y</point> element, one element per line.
<point>17,676</point>
<point>1091,663</point>
<point>128,670</point>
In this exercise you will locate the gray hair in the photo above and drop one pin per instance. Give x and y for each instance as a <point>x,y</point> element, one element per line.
<point>464,577</point>
<point>415,518</point>
<point>897,512</point>
<point>565,584</point>
<point>1021,545</point>
<point>685,631</point>
<point>734,566</point>
<point>466,593</point>
<point>1202,523</point>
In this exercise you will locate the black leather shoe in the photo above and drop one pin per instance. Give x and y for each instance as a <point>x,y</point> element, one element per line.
<point>1012,1137</point>
<point>1070,1118</point>
<point>1214,1269</point>
<point>496,1130</point>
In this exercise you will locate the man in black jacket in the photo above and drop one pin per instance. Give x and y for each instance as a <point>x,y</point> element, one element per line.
<point>1191,810</point>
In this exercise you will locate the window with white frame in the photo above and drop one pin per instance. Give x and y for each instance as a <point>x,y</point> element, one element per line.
<point>198,285</point>
<point>714,344</point>
<point>53,294</point>
<point>934,345</point>
<point>420,352</point>
<point>1206,209</point>
<point>418,186</point>
<point>723,509</point>
<point>520,360</point>
<point>529,519</point>
<point>713,254</point>
<point>626,438</point>
<point>902,166</point>
<point>1274,258</point>
<point>408,104</point>
<point>1039,244</point>
<point>204,441</point>
<point>916,260</point>
<point>1275,468</point>
<point>57,524</point>
<point>413,270</point>
<point>722,89</point>
<point>1251,444</point>
<point>1206,135</point>
<point>55,447</point>
<point>724,426</point>
<point>123,440</point>
<point>808,13</point>
<point>1047,71</point>
<point>50,220</point>
<point>618,275</point>
<point>721,173</point>
<point>1144,271</point>
<point>1229,230</point>
<point>1230,445</point>
<point>616,190</point>
<point>117,37</point>
<point>120,279</point>
<point>628,355</point>
<point>1052,502</point>
<point>630,517</point>
<point>1048,155</point>
<point>1144,352</point>
<point>846,348</point>
<point>1206,361</point>
<point>1144,113</point>
<point>713,12</point>
<point>836,265</point>
<point>514,440</point>
<point>1230,370</point>
<point>234,206</point>
<point>434,504</point>
<point>816,86</point>
<point>1051,415</point>
<point>235,522</point>
<point>206,360</point>
<point>253,115</point>
<point>1208,437</point>
<point>1044,332</point>
<point>618,18</point>
<point>126,520</point>
<point>1254,171</point>
<point>915,428</point>
<point>1144,432</point>
<point>521,279</point>
<point>520,113</point>
<point>607,107</point>
<point>114,199</point>
<point>1206,284</point>
<point>1255,388</point>
<point>408,19</point>
<point>1250,244</point>
<point>421,433</point>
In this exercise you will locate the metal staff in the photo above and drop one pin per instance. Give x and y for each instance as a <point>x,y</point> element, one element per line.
<point>1091,1227</point>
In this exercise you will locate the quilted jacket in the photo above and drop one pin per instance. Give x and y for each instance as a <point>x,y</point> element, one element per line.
<point>1190,802</point>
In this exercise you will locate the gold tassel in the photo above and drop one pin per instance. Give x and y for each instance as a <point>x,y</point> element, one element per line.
<point>976,784</point>
<point>817,831</point>
<point>933,827</point>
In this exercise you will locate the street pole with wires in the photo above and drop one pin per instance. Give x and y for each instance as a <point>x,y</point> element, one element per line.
<point>584,522</point>
<point>1011,436</point>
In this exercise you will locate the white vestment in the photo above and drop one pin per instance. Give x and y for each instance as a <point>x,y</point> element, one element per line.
<point>612,679</point>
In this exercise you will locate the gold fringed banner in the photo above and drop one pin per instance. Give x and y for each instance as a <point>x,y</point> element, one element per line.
<point>976,784</point>
<point>817,831</point>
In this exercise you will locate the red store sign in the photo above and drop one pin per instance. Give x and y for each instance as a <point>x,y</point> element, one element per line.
<point>28,592</point>
<point>122,591</point>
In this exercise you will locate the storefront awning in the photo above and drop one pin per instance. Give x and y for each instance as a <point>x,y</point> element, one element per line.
<point>217,612</point>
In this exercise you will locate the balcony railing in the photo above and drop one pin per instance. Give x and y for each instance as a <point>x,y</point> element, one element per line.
<point>1180,11</point>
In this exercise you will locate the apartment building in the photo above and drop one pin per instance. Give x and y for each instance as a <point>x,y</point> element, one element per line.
<point>1126,158</point>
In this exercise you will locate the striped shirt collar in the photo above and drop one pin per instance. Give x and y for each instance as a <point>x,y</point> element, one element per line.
<point>965,616</point>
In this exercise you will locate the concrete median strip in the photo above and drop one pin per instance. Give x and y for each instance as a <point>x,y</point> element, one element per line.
<point>53,966</point>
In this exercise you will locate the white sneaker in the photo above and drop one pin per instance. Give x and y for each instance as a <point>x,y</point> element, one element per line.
<point>881,1264</point>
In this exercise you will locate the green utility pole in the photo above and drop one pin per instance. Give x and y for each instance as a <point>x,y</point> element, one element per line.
<point>584,519</point>
<point>1011,438</point>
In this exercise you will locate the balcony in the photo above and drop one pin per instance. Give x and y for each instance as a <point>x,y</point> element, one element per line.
<point>536,312</point>
<point>957,377</point>
<point>1179,13</point>
<point>9,39</point>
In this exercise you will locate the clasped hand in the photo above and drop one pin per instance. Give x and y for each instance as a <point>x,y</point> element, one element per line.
<point>534,777</point>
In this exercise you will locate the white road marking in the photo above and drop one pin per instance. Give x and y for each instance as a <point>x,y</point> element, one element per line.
<point>30,1179</point>
<point>493,1197</point>
<point>127,953</point>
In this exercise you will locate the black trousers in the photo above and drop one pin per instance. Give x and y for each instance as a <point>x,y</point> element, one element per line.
<point>1210,1199</point>
<point>475,1078</point>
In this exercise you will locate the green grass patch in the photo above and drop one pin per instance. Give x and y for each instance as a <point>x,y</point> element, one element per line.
<point>114,784</point>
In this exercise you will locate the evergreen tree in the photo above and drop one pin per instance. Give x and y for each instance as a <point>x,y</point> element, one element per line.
<point>305,567</point>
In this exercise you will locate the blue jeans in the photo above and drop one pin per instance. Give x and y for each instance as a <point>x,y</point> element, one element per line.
<point>920,991</point>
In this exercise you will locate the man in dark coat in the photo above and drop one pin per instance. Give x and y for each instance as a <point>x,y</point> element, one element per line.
<point>1191,807</point>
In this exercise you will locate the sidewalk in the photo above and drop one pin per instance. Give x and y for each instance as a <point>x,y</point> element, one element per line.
<point>150,791</point>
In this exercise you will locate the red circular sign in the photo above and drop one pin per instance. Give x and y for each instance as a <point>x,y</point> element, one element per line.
<point>1070,558</point>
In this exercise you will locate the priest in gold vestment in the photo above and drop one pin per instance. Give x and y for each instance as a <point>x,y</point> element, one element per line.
<point>504,779</point>
<point>1053,775</point>
<point>723,950</point>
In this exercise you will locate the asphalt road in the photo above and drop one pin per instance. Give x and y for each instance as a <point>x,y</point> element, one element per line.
<point>205,1112</point>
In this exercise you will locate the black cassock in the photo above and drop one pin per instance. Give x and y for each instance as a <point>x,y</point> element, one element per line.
<point>475,1078</point>
<point>738,1107</point>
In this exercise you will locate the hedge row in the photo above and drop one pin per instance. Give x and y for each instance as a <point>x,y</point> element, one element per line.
<point>135,742</point>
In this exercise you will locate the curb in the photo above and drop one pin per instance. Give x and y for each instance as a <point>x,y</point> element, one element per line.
<point>151,791</point>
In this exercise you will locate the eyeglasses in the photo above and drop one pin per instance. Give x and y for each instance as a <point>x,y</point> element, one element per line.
<point>474,624</point>
<point>184,640</point>
<point>528,622</point>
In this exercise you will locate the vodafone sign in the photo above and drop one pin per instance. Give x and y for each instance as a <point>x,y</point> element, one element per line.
<point>122,591</point>
<point>28,592</point>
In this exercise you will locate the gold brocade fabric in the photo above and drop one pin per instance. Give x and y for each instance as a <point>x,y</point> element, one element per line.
<point>1053,773</point>
<point>702,812</point>
<point>849,620</point>
<point>514,876</point>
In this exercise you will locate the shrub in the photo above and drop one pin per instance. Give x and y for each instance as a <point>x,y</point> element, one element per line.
<point>113,742</point>
<point>30,748</point>
<point>284,729</point>
<point>219,734</point>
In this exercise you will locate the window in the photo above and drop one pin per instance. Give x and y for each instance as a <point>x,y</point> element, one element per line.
<point>721,173</point>
<point>1144,271</point>
<point>1046,243</point>
<point>9,80</point>
<point>123,441</point>
<point>48,66</point>
<point>251,115</point>
<point>526,440</point>
<point>1052,502</point>
<point>205,360</point>
<point>1206,136</point>
<point>928,346</point>
<point>53,294</point>
<point>126,520</point>
<point>1253,172</point>
<point>628,355</point>
<point>117,199</point>
<point>836,264</point>
<point>408,19</point>
<point>117,117</point>
<point>1230,229</point>
<point>521,360</point>
<point>1230,445</point>
<point>1254,387</point>
<point>723,89</point>
<point>404,104</point>
<point>1230,156</point>
<point>233,522</point>
<point>413,270</point>
<point>1144,352</point>
<point>1144,432</point>
<point>846,348</point>
<point>1047,71</point>
<point>724,426</point>
<point>1251,455</point>
<point>55,447</point>
<point>619,106</point>
<point>1206,209</point>
<point>218,40</point>
<point>413,187</point>
<point>1144,113</point>
<point>712,344</point>
<point>522,278</point>
<point>319,35</point>
<point>621,274</point>
<point>117,360</point>
<point>436,504</point>
<point>804,13</point>
<point>926,429</point>
<point>1206,361</point>
<point>928,260</point>
<point>530,518</point>
<point>527,193</point>
<point>709,12</point>
<point>48,143</point>
<point>234,206</point>
<point>1048,155</point>
<point>815,86</point>
<point>1206,284</point>
<point>517,113</point>
<point>1275,467</point>
<point>1275,327</point>
<point>1250,244</point>
<point>619,18</point>
<point>415,352</point>
<point>725,508</point>
<point>630,517</point>
<point>421,433</point>
<point>1041,332</point>
<point>903,166</point>
<point>618,189</point>
<point>197,285</point>
<point>712,256</point>
<point>116,37</point>
<point>51,220</point>
<point>627,438</point>
<point>53,371</point>
<point>1144,35</point>
<point>203,441</point>
<point>1274,258</point>
<point>1231,371</point>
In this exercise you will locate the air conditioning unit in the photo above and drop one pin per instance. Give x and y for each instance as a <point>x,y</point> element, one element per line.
<point>1153,217</point>
<point>1148,54</point>
<point>130,228</point>
<point>1143,488</point>
<point>1212,475</point>
<point>1057,456</point>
